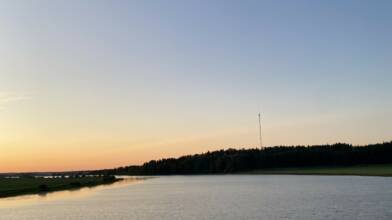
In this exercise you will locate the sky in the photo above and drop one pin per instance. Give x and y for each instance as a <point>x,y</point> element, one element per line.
<point>101,84</point>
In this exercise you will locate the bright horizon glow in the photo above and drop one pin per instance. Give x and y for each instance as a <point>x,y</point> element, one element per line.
<point>92,86</point>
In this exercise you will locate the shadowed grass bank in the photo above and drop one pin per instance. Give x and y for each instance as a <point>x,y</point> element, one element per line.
<point>358,170</point>
<point>37,185</point>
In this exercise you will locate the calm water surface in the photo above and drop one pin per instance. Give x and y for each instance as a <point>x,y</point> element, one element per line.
<point>266,197</point>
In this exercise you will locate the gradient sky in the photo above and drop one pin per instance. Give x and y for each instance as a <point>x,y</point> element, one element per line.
<point>99,84</point>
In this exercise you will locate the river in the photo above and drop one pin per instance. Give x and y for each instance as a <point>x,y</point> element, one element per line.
<point>223,197</point>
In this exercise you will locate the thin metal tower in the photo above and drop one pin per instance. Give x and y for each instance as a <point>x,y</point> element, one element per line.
<point>261,140</point>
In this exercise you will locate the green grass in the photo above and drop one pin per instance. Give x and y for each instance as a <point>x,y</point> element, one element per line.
<point>359,170</point>
<point>30,185</point>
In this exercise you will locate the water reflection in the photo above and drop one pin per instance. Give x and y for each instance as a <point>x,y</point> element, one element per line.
<point>67,194</point>
<point>221,197</point>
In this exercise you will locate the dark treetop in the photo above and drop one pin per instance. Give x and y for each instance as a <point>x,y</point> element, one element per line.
<point>233,160</point>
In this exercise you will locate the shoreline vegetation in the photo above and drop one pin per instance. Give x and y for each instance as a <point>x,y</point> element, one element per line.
<point>27,184</point>
<point>278,159</point>
<point>381,170</point>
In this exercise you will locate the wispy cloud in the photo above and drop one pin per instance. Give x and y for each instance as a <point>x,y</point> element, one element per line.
<point>8,98</point>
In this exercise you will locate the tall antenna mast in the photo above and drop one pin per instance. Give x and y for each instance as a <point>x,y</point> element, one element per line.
<point>261,140</point>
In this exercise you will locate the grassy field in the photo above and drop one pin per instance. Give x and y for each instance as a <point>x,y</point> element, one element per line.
<point>30,185</point>
<point>359,170</point>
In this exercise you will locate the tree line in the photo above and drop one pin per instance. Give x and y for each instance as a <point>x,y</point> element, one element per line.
<point>238,160</point>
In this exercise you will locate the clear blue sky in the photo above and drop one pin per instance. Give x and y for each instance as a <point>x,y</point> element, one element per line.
<point>137,80</point>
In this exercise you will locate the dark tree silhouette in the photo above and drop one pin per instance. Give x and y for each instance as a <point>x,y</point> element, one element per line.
<point>234,160</point>
<point>43,188</point>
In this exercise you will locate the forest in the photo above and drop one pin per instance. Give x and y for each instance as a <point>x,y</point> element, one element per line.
<point>240,160</point>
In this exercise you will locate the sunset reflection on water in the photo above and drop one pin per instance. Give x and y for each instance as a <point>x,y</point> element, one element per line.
<point>66,194</point>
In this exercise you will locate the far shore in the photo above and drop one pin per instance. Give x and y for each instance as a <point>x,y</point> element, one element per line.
<point>383,170</point>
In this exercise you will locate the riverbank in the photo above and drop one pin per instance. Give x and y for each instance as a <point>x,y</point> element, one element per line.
<point>358,170</point>
<point>38,185</point>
